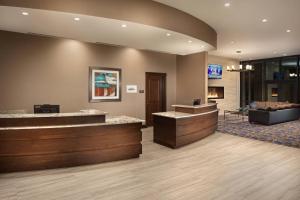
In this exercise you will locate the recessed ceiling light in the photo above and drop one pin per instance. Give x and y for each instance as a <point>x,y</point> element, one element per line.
<point>289,30</point>
<point>77,19</point>
<point>25,13</point>
<point>284,54</point>
<point>227,4</point>
<point>124,25</point>
<point>202,46</point>
<point>168,34</point>
<point>190,41</point>
<point>264,20</point>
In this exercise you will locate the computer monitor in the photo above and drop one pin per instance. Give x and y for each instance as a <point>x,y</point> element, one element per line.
<point>196,102</point>
<point>46,108</point>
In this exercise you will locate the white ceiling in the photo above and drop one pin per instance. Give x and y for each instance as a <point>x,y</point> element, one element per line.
<point>98,30</point>
<point>240,26</point>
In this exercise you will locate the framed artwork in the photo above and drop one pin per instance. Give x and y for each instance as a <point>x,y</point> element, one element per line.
<point>104,84</point>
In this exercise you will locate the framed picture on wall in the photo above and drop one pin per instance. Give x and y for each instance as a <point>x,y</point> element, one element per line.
<point>104,84</point>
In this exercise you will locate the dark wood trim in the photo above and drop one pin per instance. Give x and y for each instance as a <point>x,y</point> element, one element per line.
<point>196,110</point>
<point>164,92</point>
<point>90,85</point>
<point>176,133</point>
<point>144,126</point>
<point>164,99</point>
<point>48,148</point>
<point>50,121</point>
<point>62,160</point>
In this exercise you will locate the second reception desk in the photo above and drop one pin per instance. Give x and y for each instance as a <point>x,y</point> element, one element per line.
<point>175,129</point>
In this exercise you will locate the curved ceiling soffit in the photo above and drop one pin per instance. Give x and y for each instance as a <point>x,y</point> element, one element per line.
<point>139,11</point>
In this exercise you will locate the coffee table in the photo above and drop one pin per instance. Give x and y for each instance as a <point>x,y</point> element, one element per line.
<point>238,112</point>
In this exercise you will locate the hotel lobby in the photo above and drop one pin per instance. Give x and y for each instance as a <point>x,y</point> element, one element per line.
<point>149,99</point>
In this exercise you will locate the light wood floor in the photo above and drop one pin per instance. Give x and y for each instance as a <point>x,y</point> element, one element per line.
<point>218,167</point>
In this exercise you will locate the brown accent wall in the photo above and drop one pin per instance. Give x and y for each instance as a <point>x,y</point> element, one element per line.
<point>141,11</point>
<point>38,70</point>
<point>191,78</point>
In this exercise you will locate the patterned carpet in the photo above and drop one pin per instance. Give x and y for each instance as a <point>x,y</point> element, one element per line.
<point>287,134</point>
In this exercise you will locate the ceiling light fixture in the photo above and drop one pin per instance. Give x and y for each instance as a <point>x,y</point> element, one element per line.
<point>284,54</point>
<point>77,19</point>
<point>124,25</point>
<point>264,20</point>
<point>288,31</point>
<point>25,13</point>
<point>240,68</point>
<point>227,4</point>
<point>168,34</point>
<point>190,41</point>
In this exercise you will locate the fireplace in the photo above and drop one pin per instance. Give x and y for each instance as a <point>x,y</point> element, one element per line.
<point>215,92</point>
<point>274,92</point>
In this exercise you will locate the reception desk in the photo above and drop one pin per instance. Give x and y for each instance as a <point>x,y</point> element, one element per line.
<point>13,120</point>
<point>195,109</point>
<point>175,129</point>
<point>36,146</point>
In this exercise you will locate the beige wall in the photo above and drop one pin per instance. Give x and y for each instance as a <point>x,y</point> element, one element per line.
<point>230,81</point>
<point>38,70</point>
<point>141,11</point>
<point>191,78</point>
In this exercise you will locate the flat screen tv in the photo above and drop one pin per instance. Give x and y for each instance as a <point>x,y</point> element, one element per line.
<point>215,71</point>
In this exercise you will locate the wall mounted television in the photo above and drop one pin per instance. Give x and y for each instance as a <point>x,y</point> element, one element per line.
<point>215,71</point>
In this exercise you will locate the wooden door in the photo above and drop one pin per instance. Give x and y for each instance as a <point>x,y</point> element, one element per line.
<point>155,95</point>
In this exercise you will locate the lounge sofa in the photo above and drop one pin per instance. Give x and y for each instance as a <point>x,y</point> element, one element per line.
<point>269,113</point>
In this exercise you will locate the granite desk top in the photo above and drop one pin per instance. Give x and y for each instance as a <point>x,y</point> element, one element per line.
<point>75,114</point>
<point>180,115</point>
<point>109,121</point>
<point>198,106</point>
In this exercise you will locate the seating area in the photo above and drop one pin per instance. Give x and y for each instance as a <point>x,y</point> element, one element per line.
<point>287,133</point>
<point>269,113</point>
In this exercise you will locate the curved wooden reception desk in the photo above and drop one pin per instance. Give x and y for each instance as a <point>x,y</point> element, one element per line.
<point>44,147</point>
<point>175,129</point>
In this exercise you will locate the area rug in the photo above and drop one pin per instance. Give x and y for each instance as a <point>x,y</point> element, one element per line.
<point>287,134</point>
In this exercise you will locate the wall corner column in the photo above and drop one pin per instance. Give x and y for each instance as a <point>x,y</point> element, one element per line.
<point>192,83</point>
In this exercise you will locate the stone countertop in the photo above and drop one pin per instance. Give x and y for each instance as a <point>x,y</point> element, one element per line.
<point>180,115</point>
<point>199,106</point>
<point>109,121</point>
<point>75,114</point>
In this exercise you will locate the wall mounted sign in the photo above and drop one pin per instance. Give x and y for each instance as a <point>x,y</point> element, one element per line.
<point>104,84</point>
<point>131,89</point>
